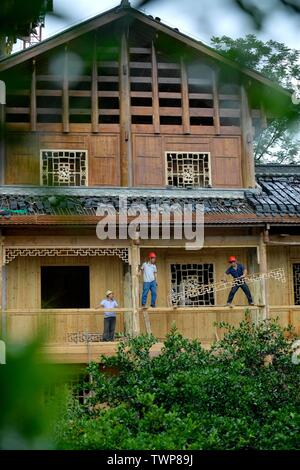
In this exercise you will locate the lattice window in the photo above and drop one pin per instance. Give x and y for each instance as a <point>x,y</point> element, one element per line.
<point>296,282</point>
<point>188,169</point>
<point>185,278</point>
<point>64,167</point>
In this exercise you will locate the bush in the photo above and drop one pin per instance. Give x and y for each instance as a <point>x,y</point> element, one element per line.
<point>241,394</point>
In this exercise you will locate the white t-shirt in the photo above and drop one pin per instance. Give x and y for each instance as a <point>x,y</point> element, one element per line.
<point>149,269</point>
<point>106,303</point>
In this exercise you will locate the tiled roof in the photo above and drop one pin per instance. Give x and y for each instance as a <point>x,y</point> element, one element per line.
<point>280,190</point>
<point>276,199</point>
<point>84,201</point>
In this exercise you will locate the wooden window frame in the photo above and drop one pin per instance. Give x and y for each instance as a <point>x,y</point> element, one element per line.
<point>188,152</point>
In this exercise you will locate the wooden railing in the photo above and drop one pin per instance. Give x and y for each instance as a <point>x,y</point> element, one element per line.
<point>61,326</point>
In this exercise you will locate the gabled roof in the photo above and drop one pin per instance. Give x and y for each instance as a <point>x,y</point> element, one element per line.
<point>119,12</point>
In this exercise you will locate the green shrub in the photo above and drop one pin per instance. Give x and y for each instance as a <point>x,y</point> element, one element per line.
<point>241,394</point>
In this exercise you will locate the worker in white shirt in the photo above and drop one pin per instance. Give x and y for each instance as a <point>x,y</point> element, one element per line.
<point>109,317</point>
<point>149,270</point>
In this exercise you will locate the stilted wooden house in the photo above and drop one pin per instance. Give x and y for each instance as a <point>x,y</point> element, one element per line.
<point>122,105</point>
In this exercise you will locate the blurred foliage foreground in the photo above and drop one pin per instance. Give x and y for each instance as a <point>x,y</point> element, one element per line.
<point>242,394</point>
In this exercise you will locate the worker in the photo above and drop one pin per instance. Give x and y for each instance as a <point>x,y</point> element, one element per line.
<point>239,273</point>
<point>149,270</point>
<point>109,317</point>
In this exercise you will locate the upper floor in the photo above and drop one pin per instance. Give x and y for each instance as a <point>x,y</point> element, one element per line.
<point>123,100</point>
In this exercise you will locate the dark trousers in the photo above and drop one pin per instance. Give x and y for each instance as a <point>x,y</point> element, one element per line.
<point>245,289</point>
<point>109,329</point>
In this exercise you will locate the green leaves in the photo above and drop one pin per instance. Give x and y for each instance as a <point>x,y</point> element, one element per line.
<point>187,398</point>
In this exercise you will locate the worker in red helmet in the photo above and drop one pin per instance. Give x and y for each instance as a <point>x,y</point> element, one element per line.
<point>239,273</point>
<point>149,270</point>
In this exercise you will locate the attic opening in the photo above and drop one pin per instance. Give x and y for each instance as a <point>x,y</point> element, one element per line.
<point>65,287</point>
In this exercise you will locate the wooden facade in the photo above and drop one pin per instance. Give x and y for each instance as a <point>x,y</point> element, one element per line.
<point>115,98</point>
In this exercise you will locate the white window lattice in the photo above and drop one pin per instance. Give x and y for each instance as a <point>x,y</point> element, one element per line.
<point>186,281</point>
<point>296,282</point>
<point>188,169</point>
<point>64,167</point>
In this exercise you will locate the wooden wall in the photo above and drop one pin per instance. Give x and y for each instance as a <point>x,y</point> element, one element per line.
<point>23,157</point>
<point>24,294</point>
<point>23,288</point>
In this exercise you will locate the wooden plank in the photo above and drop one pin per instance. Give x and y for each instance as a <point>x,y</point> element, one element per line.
<point>33,113</point>
<point>140,50</point>
<point>94,90</point>
<point>51,93</point>
<point>65,94</point>
<point>248,169</point>
<point>155,94</point>
<point>202,112</point>
<point>216,101</point>
<point>125,115</point>
<point>185,98</point>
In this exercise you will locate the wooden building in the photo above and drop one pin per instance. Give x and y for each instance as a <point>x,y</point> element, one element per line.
<point>122,105</point>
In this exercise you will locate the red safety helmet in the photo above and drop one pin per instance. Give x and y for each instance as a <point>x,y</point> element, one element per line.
<point>231,259</point>
<point>151,255</point>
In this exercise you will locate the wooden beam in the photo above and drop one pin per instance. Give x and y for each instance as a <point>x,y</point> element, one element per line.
<point>94,91</point>
<point>216,104</point>
<point>135,262</point>
<point>248,168</point>
<point>263,269</point>
<point>155,92</point>
<point>185,98</point>
<point>33,98</point>
<point>65,93</point>
<point>125,115</point>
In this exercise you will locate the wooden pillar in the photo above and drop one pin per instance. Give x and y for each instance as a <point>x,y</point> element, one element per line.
<point>125,114</point>
<point>185,103</point>
<point>216,104</point>
<point>127,300</point>
<point>94,90</point>
<point>65,93</point>
<point>255,287</point>
<point>155,92</point>
<point>263,269</point>
<point>135,262</point>
<point>33,98</point>
<point>248,169</point>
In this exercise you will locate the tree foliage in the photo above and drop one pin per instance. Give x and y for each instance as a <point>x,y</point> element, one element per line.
<point>241,394</point>
<point>280,141</point>
<point>18,19</point>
